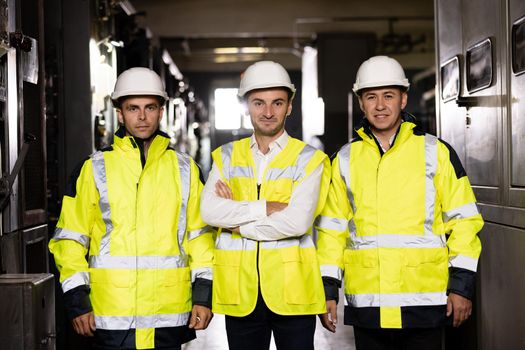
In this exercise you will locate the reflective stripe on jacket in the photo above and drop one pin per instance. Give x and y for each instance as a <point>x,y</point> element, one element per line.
<point>288,269</point>
<point>141,227</point>
<point>393,225</point>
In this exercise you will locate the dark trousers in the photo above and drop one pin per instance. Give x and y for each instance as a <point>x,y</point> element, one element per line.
<point>254,331</point>
<point>398,339</point>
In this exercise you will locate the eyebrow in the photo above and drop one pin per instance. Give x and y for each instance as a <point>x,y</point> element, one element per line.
<point>280,99</point>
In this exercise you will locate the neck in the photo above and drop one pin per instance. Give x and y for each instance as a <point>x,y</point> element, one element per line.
<point>263,141</point>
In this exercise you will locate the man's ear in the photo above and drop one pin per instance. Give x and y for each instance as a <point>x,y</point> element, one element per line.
<point>360,103</point>
<point>120,117</point>
<point>404,100</point>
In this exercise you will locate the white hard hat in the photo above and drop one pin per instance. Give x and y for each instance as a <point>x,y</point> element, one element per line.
<point>138,81</point>
<point>264,74</point>
<point>380,71</point>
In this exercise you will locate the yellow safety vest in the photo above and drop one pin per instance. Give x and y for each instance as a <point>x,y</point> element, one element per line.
<point>142,230</point>
<point>287,270</point>
<point>386,223</point>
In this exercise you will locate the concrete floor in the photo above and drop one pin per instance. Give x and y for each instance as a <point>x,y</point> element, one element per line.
<point>214,338</point>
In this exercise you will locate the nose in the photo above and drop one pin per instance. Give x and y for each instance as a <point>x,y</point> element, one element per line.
<point>268,111</point>
<point>142,114</point>
<point>380,104</point>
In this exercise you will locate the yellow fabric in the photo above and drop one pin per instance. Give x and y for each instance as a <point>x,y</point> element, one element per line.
<point>145,204</point>
<point>145,338</point>
<point>290,281</point>
<point>389,197</point>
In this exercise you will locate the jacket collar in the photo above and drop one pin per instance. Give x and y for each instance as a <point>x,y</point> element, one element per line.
<point>160,142</point>
<point>402,133</point>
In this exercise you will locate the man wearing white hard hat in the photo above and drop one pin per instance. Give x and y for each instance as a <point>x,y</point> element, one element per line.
<point>264,192</point>
<point>400,224</point>
<point>133,210</point>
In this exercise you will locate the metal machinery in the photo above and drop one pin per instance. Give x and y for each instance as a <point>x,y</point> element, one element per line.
<point>481,103</point>
<point>26,301</point>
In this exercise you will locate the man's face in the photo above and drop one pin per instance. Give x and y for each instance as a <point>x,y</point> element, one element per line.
<point>268,110</point>
<point>140,115</point>
<point>382,107</point>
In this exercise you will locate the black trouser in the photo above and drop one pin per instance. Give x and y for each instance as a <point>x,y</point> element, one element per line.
<point>254,331</point>
<point>398,339</point>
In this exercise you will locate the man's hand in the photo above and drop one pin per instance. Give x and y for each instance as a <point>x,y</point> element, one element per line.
<point>200,317</point>
<point>222,190</point>
<point>460,307</point>
<point>84,324</point>
<point>274,207</point>
<point>329,320</point>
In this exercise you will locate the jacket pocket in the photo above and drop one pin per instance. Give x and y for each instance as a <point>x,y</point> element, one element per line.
<point>226,276</point>
<point>302,277</point>
<point>175,293</point>
<point>361,273</point>
<point>112,292</point>
<point>425,270</point>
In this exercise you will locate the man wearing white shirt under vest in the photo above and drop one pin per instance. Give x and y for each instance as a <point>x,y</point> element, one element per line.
<point>264,192</point>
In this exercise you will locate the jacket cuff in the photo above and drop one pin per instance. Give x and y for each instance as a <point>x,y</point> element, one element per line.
<point>331,288</point>
<point>202,292</point>
<point>462,282</point>
<point>76,301</point>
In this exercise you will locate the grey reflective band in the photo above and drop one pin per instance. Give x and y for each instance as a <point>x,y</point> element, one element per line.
<point>463,212</point>
<point>226,155</point>
<point>344,170</point>
<point>331,271</point>
<point>273,174</point>
<point>77,279</point>
<point>397,241</point>
<point>334,224</point>
<point>63,234</point>
<point>431,160</point>
<point>137,262</point>
<point>185,181</point>
<point>463,262</point>
<point>240,171</point>
<point>196,233</point>
<point>226,242</point>
<point>396,299</point>
<point>134,322</point>
<point>303,159</point>
<point>99,174</point>
<point>305,241</point>
<point>203,272</point>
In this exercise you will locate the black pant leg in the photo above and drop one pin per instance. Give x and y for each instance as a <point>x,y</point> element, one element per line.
<point>374,339</point>
<point>250,332</point>
<point>424,338</point>
<point>293,332</point>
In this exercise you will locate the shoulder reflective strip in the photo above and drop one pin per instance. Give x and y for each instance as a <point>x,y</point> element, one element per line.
<point>329,223</point>
<point>304,241</point>
<point>130,322</point>
<point>465,211</point>
<point>302,161</point>
<point>280,173</point>
<point>464,262</point>
<point>226,154</point>
<point>331,271</point>
<point>196,233</point>
<point>185,180</point>
<point>137,262</point>
<point>431,159</point>
<point>226,242</point>
<point>344,170</point>
<point>99,174</point>
<point>396,300</point>
<point>398,241</point>
<point>78,279</point>
<point>203,272</point>
<point>63,234</point>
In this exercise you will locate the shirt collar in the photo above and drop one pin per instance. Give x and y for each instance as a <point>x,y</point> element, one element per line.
<point>280,142</point>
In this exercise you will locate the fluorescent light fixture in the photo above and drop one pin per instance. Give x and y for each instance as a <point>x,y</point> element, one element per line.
<point>240,50</point>
<point>174,70</point>
<point>128,8</point>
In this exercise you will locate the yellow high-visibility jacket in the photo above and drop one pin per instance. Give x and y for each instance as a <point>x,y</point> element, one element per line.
<point>393,225</point>
<point>139,224</point>
<point>287,270</point>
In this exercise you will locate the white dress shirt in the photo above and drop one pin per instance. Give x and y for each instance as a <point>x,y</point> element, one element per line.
<point>293,221</point>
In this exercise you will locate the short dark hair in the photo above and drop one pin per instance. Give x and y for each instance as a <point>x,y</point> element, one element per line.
<point>290,92</point>
<point>401,88</point>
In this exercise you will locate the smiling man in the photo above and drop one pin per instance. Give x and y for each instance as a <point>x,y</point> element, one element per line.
<point>133,209</point>
<point>400,224</point>
<point>264,192</point>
